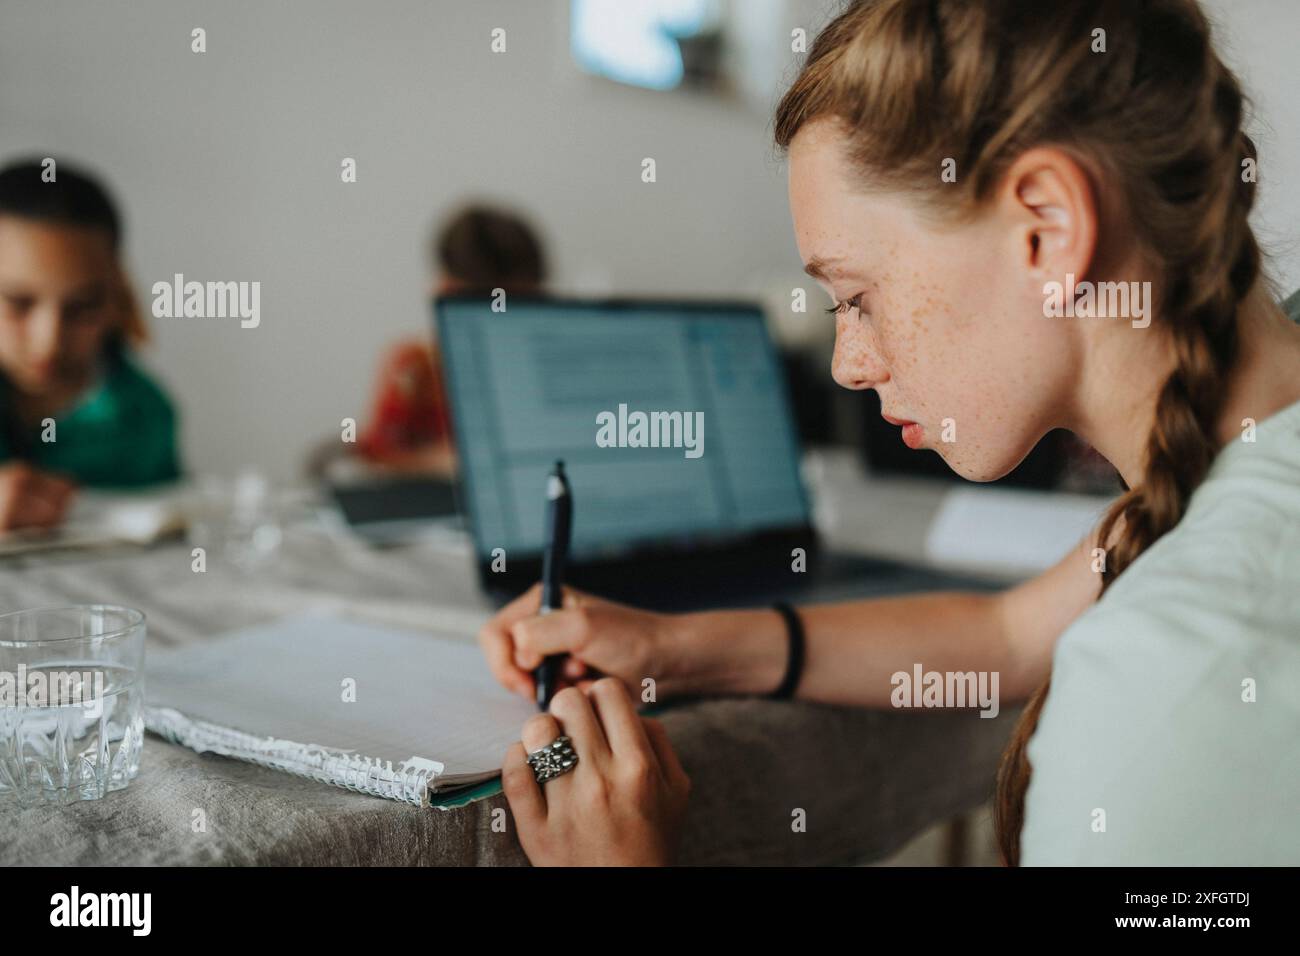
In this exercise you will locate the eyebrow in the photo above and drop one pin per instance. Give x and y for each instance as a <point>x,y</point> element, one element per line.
<point>817,267</point>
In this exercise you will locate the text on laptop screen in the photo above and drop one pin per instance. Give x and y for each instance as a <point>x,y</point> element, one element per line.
<point>673,422</point>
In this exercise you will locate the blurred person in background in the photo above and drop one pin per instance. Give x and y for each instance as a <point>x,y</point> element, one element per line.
<point>477,250</point>
<point>75,409</point>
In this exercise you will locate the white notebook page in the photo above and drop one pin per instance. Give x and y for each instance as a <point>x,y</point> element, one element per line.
<point>416,695</point>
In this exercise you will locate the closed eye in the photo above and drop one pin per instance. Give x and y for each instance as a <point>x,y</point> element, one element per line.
<point>19,303</point>
<point>853,303</point>
<point>82,308</point>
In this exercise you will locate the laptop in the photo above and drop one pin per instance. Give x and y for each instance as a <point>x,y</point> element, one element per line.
<point>676,431</point>
<point>396,509</point>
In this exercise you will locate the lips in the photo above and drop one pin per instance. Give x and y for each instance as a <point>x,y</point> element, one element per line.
<point>913,434</point>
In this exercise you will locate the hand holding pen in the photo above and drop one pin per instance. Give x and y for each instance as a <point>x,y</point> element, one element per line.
<point>559,525</point>
<point>532,644</point>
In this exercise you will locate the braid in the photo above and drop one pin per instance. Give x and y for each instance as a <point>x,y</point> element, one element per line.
<point>1201,307</point>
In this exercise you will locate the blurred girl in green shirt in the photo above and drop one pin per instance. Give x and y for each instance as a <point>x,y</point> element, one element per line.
<point>74,408</point>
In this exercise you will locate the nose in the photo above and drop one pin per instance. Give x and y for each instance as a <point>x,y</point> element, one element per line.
<point>46,334</point>
<point>856,364</point>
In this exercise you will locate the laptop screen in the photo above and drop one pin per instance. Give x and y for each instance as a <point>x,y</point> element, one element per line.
<point>672,419</point>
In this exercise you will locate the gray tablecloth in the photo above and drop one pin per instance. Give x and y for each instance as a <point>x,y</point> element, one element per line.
<point>867,781</point>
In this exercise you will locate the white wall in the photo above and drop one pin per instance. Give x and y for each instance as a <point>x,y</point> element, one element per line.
<point>1260,39</point>
<point>227,165</point>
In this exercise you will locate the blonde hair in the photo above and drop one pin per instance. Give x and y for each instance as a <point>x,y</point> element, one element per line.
<point>917,81</point>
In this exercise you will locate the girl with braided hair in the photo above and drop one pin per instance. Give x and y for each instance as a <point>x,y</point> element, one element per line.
<point>950,161</point>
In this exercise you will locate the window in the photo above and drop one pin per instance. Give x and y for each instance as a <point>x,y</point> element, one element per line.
<point>656,44</point>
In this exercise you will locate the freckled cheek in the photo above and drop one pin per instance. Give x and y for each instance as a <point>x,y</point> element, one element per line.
<point>916,368</point>
<point>893,347</point>
<point>891,350</point>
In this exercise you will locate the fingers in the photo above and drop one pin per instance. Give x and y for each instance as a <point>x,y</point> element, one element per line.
<point>539,730</point>
<point>672,768</point>
<point>575,598</point>
<point>521,607</point>
<point>34,512</point>
<point>56,493</point>
<point>499,653</point>
<point>501,638</point>
<point>559,632</point>
<point>618,716</point>
<point>35,499</point>
<point>64,486</point>
<point>523,792</point>
<point>498,645</point>
<point>542,729</point>
<point>573,710</point>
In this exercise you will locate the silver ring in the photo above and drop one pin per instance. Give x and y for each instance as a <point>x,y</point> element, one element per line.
<point>554,760</point>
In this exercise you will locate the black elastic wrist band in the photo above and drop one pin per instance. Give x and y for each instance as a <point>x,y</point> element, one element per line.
<point>794,664</point>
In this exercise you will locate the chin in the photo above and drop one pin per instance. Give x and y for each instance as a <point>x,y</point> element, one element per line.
<point>981,468</point>
<point>33,385</point>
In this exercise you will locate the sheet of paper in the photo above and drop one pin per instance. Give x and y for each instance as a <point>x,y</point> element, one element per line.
<point>332,682</point>
<point>99,519</point>
<point>1013,530</point>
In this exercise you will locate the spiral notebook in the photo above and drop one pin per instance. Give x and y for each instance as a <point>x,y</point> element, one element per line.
<point>398,714</point>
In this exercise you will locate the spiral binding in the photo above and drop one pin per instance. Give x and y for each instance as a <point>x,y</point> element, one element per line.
<point>410,782</point>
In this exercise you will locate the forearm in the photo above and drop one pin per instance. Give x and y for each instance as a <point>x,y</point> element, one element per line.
<point>724,652</point>
<point>851,650</point>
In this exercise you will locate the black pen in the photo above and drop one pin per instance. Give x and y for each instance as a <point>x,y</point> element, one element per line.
<point>559,522</point>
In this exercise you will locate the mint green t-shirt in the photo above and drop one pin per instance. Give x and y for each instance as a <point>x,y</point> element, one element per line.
<point>120,434</point>
<point>1171,734</point>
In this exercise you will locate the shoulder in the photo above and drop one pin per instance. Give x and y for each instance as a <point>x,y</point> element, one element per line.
<point>1233,557</point>
<point>134,389</point>
<point>1164,746</point>
<point>1172,700</point>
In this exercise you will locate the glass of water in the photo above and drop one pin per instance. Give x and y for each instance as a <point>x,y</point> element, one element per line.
<point>71,702</point>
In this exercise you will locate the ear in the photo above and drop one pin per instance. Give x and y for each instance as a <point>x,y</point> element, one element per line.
<point>1050,200</point>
